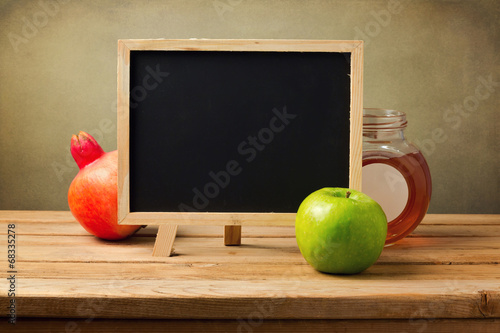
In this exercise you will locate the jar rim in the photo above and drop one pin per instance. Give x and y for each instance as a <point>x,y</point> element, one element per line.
<point>380,112</point>
<point>383,119</point>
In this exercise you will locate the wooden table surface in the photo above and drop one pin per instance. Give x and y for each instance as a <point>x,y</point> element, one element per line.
<point>444,277</point>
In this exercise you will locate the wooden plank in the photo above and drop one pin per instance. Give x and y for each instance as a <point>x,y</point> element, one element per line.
<point>9,216</point>
<point>449,230</point>
<point>72,228</point>
<point>68,228</point>
<point>235,271</point>
<point>461,219</point>
<point>288,298</point>
<point>33,216</point>
<point>253,322</point>
<point>432,250</point>
<point>165,241</point>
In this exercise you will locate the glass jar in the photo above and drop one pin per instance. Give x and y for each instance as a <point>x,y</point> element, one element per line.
<point>395,173</point>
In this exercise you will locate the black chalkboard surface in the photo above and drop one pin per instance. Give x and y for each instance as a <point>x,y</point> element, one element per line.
<point>237,131</point>
<point>235,126</point>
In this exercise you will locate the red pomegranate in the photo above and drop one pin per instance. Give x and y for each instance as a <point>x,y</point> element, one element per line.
<point>92,195</point>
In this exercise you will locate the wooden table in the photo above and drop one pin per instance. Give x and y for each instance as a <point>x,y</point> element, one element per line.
<point>444,277</point>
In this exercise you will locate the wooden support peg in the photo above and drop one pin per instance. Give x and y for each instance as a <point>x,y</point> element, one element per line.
<point>232,235</point>
<point>165,240</point>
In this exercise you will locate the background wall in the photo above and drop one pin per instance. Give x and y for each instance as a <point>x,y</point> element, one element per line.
<point>435,60</point>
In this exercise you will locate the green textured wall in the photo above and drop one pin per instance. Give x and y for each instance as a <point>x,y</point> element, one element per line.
<point>435,60</point>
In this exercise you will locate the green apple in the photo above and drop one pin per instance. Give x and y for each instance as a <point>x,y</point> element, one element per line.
<point>340,231</point>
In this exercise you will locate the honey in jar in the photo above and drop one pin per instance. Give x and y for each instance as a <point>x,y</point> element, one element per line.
<point>395,173</point>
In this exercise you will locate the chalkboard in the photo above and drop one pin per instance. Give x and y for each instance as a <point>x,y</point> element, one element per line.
<point>235,132</point>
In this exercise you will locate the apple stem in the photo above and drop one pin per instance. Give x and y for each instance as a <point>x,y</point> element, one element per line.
<point>347,194</point>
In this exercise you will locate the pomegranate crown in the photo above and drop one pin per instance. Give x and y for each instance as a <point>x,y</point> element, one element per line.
<point>85,149</point>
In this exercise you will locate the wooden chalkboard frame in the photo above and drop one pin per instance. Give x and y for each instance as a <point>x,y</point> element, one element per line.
<point>232,221</point>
